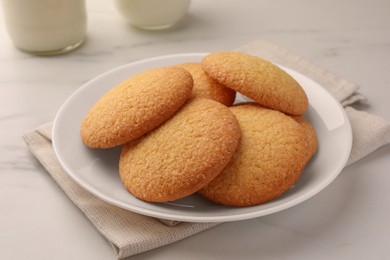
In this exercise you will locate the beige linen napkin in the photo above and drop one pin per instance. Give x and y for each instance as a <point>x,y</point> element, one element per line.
<point>131,233</point>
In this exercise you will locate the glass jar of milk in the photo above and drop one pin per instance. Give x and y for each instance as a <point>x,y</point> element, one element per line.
<point>46,27</point>
<point>152,14</point>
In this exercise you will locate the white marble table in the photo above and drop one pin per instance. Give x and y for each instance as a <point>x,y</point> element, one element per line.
<point>347,220</point>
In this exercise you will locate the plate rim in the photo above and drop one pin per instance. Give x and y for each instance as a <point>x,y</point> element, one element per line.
<point>186,218</point>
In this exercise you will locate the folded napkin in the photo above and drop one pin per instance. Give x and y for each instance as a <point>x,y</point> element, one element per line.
<point>131,233</point>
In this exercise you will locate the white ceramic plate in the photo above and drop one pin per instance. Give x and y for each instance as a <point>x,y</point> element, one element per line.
<point>97,170</point>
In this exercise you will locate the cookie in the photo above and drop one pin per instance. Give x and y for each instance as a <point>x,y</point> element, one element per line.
<point>136,106</point>
<point>269,159</point>
<point>311,135</point>
<point>206,87</point>
<point>182,155</point>
<point>257,79</point>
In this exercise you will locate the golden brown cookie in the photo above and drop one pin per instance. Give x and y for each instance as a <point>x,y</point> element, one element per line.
<point>183,154</point>
<point>206,87</point>
<point>269,159</point>
<point>311,136</point>
<point>257,79</point>
<point>136,106</point>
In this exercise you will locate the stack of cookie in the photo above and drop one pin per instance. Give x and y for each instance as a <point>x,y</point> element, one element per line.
<point>181,133</point>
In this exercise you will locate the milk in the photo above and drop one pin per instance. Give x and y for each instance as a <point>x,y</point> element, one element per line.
<point>45,27</point>
<point>152,14</point>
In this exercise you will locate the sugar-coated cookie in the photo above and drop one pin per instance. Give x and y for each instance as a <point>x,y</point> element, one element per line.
<point>257,79</point>
<point>206,87</point>
<point>311,135</point>
<point>182,155</point>
<point>136,106</point>
<point>269,159</point>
